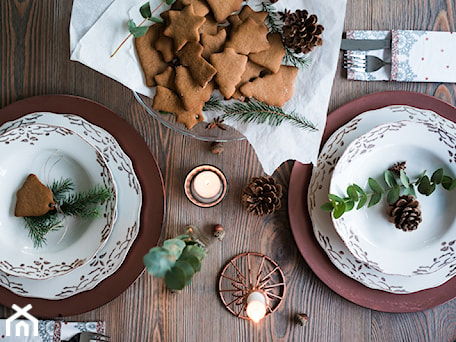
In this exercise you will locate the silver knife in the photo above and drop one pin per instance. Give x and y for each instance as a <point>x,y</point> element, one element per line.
<point>365,44</point>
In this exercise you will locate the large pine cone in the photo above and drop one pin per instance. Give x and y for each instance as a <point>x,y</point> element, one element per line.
<point>300,31</point>
<point>262,196</point>
<point>405,213</point>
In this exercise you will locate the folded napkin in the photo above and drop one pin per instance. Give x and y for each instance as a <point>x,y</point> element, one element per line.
<point>48,330</point>
<point>96,31</point>
<point>415,56</point>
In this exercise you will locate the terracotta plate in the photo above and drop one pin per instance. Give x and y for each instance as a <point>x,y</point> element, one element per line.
<point>301,224</point>
<point>150,178</point>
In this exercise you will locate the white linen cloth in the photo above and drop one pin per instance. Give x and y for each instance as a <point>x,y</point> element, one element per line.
<point>48,330</point>
<point>96,31</point>
<point>415,56</point>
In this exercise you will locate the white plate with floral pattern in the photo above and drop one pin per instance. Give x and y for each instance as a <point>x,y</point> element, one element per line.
<point>52,153</point>
<point>318,191</point>
<point>367,232</point>
<point>125,229</point>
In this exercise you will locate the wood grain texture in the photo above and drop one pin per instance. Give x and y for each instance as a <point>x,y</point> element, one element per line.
<point>34,60</point>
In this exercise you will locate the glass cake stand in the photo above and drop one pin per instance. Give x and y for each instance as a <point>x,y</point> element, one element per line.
<point>199,131</point>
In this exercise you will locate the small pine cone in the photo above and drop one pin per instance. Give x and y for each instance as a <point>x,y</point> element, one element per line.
<point>300,30</point>
<point>262,196</point>
<point>405,213</point>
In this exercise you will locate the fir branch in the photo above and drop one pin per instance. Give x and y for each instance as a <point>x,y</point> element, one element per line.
<point>259,112</point>
<point>298,61</point>
<point>214,103</point>
<point>82,204</point>
<point>60,188</point>
<point>40,226</point>
<point>272,18</point>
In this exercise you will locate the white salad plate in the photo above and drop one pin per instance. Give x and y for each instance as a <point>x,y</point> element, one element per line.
<point>126,227</point>
<point>318,191</point>
<point>52,153</point>
<point>367,232</point>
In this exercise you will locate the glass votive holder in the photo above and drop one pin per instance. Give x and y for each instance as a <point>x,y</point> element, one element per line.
<point>205,186</point>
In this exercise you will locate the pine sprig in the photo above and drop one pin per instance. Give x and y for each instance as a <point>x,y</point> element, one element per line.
<point>395,184</point>
<point>214,103</point>
<point>82,204</point>
<point>259,112</point>
<point>297,60</point>
<point>272,19</point>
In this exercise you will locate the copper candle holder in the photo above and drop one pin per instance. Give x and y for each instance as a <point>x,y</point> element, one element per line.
<point>212,186</point>
<point>251,275</point>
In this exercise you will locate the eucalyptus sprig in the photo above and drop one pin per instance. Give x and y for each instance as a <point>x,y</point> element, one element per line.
<point>177,261</point>
<point>140,30</point>
<point>395,184</point>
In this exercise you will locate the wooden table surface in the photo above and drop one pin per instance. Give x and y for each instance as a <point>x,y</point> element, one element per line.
<point>34,60</point>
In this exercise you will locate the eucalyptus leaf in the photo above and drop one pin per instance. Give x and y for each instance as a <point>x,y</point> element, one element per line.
<point>446,182</point>
<point>404,179</point>
<point>157,20</point>
<point>195,250</point>
<point>328,206</point>
<point>437,176</point>
<point>170,2</point>
<point>393,194</point>
<point>176,278</point>
<point>191,260</point>
<point>425,187</point>
<point>145,10</point>
<point>352,193</point>
<point>174,246</point>
<point>362,201</point>
<point>136,31</point>
<point>390,180</point>
<point>339,210</point>
<point>376,197</point>
<point>410,191</point>
<point>335,198</point>
<point>375,187</point>
<point>349,205</point>
<point>158,261</point>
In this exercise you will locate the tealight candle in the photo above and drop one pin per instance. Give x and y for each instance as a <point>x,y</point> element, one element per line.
<point>205,186</point>
<point>256,306</point>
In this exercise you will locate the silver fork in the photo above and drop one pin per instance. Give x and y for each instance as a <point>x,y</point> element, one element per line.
<point>363,63</point>
<point>87,336</point>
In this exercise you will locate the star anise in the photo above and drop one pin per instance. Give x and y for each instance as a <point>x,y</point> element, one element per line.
<point>216,122</point>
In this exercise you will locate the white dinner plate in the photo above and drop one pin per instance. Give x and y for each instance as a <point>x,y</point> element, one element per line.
<point>367,232</point>
<point>126,226</point>
<point>52,153</point>
<point>318,191</point>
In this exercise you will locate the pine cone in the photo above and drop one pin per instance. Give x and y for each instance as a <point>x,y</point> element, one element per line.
<point>262,196</point>
<point>405,213</point>
<point>300,31</point>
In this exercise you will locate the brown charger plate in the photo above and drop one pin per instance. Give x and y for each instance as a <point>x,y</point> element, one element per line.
<point>301,224</point>
<point>151,220</point>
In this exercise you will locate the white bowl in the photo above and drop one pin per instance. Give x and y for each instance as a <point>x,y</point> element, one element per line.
<point>367,233</point>
<point>52,153</point>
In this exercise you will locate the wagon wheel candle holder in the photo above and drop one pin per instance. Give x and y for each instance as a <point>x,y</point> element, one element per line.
<point>251,286</point>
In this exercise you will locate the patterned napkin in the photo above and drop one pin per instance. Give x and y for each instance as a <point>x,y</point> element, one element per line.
<point>48,330</point>
<point>415,56</point>
<point>96,31</point>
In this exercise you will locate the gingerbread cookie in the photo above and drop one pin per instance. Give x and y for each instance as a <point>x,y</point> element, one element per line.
<point>150,59</point>
<point>33,198</point>
<point>168,101</point>
<point>200,7</point>
<point>271,58</point>
<point>273,89</point>
<point>201,70</point>
<point>247,11</point>
<point>183,26</point>
<point>223,8</point>
<point>230,67</point>
<point>167,78</point>
<point>252,71</point>
<point>249,37</point>
<point>192,94</point>
<point>213,43</point>
<point>165,45</point>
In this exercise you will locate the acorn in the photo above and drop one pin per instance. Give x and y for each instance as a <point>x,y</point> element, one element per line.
<point>219,232</point>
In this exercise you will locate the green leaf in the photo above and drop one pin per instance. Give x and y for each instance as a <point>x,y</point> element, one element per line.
<point>188,270</point>
<point>349,205</point>
<point>335,198</point>
<point>410,191</point>
<point>195,250</point>
<point>352,193</point>
<point>437,176</point>
<point>339,210</point>
<point>393,194</point>
<point>376,188</point>
<point>174,246</point>
<point>390,180</point>
<point>362,196</point>
<point>446,182</point>
<point>328,206</point>
<point>192,260</point>
<point>176,278</point>
<point>136,31</point>
<point>145,10</point>
<point>170,2</point>
<point>404,179</point>
<point>156,20</point>
<point>425,187</point>
<point>158,261</point>
<point>376,197</point>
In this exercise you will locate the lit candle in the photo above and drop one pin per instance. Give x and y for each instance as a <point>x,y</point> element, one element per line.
<point>207,185</point>
<point>256,306</point>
